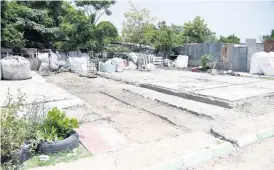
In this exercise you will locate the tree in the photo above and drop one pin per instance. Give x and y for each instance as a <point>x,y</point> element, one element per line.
<point>212,38</point>
<point>105,33</point>
<point>195,31</point>
<point>34,24</point>
<point>77,32</point>
<point>95,9</point>
<point>164,38</point>
<point>230,39</point>
<point>137,26</point>
<point>268,37</point>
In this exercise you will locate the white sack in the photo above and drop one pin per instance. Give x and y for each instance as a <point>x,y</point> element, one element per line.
<point>119,64</point>
<point>107,67</point>
<point>181,61</point>
<point>266,63</point>
<point>75,63</point>
<point>53,61</point>
<point>83,70</point>
<point>15,68</point>
<point>43,57</point>
<point>132,57</point>
<point>44,69</point>
<point>150,67</point>
<point>254,63</point>
<point>0,72</point>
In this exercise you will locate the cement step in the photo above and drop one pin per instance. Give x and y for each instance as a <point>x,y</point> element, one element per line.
<point>197,108</point>
<point>180,118</point>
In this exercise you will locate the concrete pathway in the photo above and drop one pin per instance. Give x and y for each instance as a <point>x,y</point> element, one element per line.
<point>254,157</point>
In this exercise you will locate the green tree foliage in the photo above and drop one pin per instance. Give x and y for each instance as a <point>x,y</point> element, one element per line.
<point>212,38</point>
<point>77,32</point>
<point>55,24</point>
<point>35,25</point>
<point>269,37</point>
<point>164,38</point>
<point>105,33</point>
<point>230,39</point>
<point>95,9</point>
<point>195,31</point>
<point>137,26</point>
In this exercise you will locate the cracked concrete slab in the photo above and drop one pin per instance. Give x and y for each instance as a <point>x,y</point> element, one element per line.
<point>245,131</point>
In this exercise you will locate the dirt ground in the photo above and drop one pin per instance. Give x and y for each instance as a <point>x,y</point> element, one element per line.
<point>137,125</point>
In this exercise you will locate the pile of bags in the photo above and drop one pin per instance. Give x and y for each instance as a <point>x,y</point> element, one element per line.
<point>15,68</point>
<point>262,63</point>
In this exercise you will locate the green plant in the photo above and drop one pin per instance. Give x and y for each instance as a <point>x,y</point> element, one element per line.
<point>205,60</point>
<point>57,126</point>
<point>13,131</point>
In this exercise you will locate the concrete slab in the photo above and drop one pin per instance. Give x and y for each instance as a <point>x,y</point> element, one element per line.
<point>246,131</point>
<point>198,108</point>
<point>235,93</point>
<point>99,138</point>
<point>218,90</point>
<point>161,151</point>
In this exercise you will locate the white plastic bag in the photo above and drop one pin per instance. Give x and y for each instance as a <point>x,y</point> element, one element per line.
<point>254,63</point>
<point>75,63</point>
<point>266,63</point>
<point>43,57</point>
<point>119,64</point>
<point>132,57</point>
<point>181,61</point>
<point>15,68</point>
<point>150,67</point>
<point>107,67</point>
<point>53,61</point>
<point>44,69</point>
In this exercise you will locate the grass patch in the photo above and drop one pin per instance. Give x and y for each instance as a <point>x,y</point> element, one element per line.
<point>67,156</point>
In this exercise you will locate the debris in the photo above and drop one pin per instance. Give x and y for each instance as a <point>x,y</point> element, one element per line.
<point>167,63</point>
<point>214,72</point>
<point>195,69</point>
<point>229,71</point>
<point>131,66</point>
<point>44,69</point>
<point>43,157</point>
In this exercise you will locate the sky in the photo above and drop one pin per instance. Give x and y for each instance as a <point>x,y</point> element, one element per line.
<point>246,19</point>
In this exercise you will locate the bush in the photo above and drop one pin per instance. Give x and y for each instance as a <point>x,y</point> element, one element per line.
<point>205,60</point>
<point>13,127</point>
<point>32,127</point>
<point>57,126</point>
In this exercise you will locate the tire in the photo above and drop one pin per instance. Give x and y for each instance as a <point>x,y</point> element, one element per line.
<point>66,144</point>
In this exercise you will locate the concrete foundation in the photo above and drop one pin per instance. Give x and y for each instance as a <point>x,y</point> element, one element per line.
<point>224,91</point>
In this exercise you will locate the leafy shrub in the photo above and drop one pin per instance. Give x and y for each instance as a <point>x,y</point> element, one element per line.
<point>13,131</point>
<point>57,126</point>
<point>205,60</point>
<point>32,127</point>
